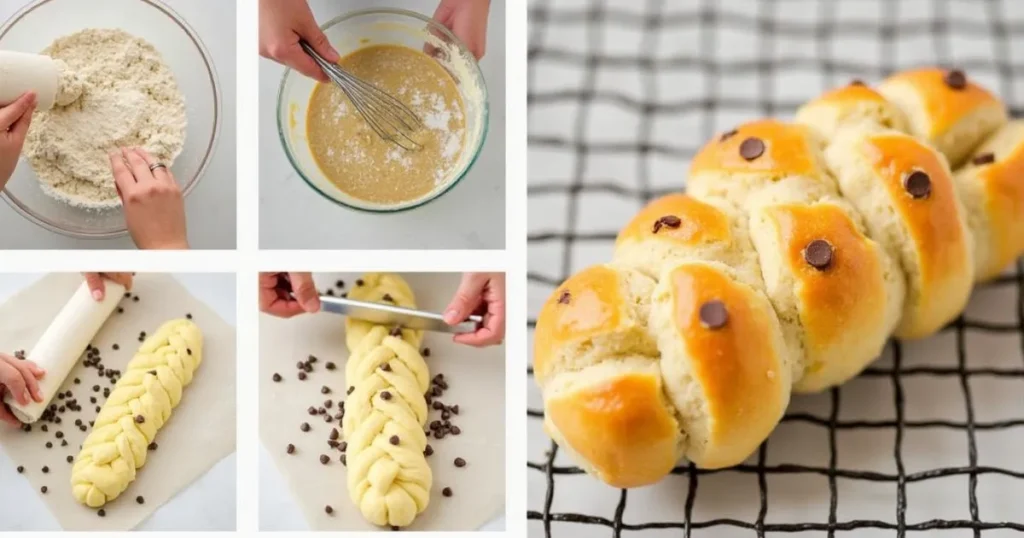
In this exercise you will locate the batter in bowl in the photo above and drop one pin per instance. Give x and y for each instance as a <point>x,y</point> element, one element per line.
<point>360,163</point>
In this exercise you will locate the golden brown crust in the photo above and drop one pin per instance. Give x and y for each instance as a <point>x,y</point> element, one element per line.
<point>789,151</point>
<point>944,106</point>
<point>621,428</point>
<point>934,222</point>
<point>587,304</point>
<point>1004,192</point>
<point>738,366</point>
<point>699,223</point>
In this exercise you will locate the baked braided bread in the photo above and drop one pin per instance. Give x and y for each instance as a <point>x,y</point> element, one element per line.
<point>798,250</point>
<point>140,404</point>
<point>385,410</point>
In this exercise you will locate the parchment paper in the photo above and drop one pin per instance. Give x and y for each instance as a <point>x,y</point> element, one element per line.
<point>199,434</point>
<point>476,380</point>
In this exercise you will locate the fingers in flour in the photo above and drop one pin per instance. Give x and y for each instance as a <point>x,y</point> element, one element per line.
<point>139,167</point>
<point>162,173</point>
<point>123,177</point>
<point>14,112</point>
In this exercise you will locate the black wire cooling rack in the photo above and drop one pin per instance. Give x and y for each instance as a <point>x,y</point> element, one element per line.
<point>621,95</point>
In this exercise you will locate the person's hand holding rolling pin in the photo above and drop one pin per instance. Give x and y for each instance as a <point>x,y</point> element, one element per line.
<point>21,378</point>
<point>15,119</point>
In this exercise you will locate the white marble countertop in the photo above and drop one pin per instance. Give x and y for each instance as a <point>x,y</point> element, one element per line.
<point>470,216</point>
<point>207,504</point>
<point>211,207</point>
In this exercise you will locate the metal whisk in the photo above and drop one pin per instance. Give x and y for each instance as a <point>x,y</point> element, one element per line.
<point>387,116</point>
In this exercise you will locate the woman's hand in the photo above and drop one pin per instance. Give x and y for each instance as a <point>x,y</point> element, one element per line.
<point>15,119</point>
<point>283,23</point>
<point>480,293</point>
<point>98,288</point>
<point>20,378</point>
<point>153,205</point>
<point>288,294</point>
<point>467,19</point>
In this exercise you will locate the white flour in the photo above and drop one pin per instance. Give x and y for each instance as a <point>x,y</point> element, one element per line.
<point>129,98</point>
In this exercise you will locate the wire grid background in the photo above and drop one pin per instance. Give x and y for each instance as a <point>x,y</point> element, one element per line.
<point>621,94</point>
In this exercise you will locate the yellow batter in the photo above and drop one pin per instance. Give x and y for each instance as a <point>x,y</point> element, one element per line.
<point>361,164</point>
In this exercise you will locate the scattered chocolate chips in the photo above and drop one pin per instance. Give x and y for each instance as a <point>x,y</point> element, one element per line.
<point>456,430</point>
<point>394,440</point>
<point>751,148</point>
<point>425,352</point>
<point>344,460</point>
<point>818,254</point>
<point>302,376</point>
<point>304,426</point>
<point>328,509</point>
<point>324,459</point>
<point>116,347</point>
<point>325,390</point>
<point>140,499</point>
<point>330,292</point>
<point>21,469</point>
<point>136,298</point>
<point>188,316</point>
<point>102,512</point>
<point>311,411</point>
<point>343,446</point>
<point>728,134</point>
<point>44,489</point>
<point>334,434</point>
<point>459,462</point>
<point>350,390</point>
<point>327,418</point>
<point>290,449</point>
<point>565,297</point>
<point>385,395</point>
<point>713,315</point>
<point>78,381</point>
<point>49,444</point>
<point>984,158</point>
<point>429,451</point>
<point>339,284</point>
<point>668,221</point>
<point>359,282</point>
<point>276,378</point>
<point>918,184</point>
<point>955,79</point>
<point>71,459</point>
<point>447,492</point>
<point>329,366</point>
<point>46,469</point>
<point>139,419</point>
<point>152,446</point>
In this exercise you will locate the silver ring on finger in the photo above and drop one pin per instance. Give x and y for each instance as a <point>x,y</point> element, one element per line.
<point>153,167</point>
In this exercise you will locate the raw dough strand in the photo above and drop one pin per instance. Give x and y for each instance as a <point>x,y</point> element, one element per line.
<point>141,402</point>
<point>388,476</point>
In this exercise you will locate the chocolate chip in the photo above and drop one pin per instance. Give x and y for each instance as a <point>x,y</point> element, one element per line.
<point>102,512</point>
<point>344,460</point>
<point>394,440</point>
<point>447,492</point>
<point>359,282</point>
<point>139,419</point>
<point>429,451</point>
<point>386,367</point>
<point>751,148</point>
<point>334,434</point>
<point>78,381</point>
<point>425,352</point>
<point>713,314</point>
<point>70,459</point>
<point>330,365</point>
<point>95,388</point>
<point>290,449</point>
<point>330,292</point>
<point>311,410</point>
<point>325,390</point>
<point>188,350</point>
<point>153,446</point>
<point>302,376</point>
<point>188,316</point>
<point>984,158</point>
<point>46,469</point>
<point>49,444</point>
<point>97,409</point>
<point>92,399</point>
<point>396,331</point>
<point>328,404</point>
<point>454,409</point>
<point>565,297</point>
<point>918,184</point>
<point>385,395</point>
<point>668,221</point>
<point>343,446</point>
<point>116,347</point>
<point>456,430</point>
<point>300,365</point>
<point>955,79</point>
<point>44,428</point>
<point>276,378</point>
<point>304,426</point>
<point>818,254</point>
<point>327,418</point>
<point>136,298</point>
<point>140,500</point>
<point>446,415</point>
<point>328,509</point>
<point>856,82</point>
<point>339,284</point>
<point>387,297</point>
<point>44,489</point>
<point>438,405</point>
<point>350,390</point>
<point>324,459</point>
<point>727,135</point>
<point>21,469</point>
<point>459,462</point>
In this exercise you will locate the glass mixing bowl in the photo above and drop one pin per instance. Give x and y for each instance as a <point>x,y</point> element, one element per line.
<point>41,22</point>
<point>385,27</point>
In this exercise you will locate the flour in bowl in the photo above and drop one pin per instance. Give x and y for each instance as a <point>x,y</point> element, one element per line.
<point>128,98</point>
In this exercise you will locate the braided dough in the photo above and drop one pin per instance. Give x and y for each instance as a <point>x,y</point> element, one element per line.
<point>798,250</point>
<point>389,482</point>
<point>141,402</point>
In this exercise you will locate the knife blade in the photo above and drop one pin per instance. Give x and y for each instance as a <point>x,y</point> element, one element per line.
<point>387,314</point>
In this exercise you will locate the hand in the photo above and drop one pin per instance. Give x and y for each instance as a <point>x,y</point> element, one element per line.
<point>153,205</point>
<point>467,19</point>
<point>283,23</point>
<point>288,294</point>
<point>20,378</point>
<point>479,293</point>
<point>15,119</point>
<point>98,288</point>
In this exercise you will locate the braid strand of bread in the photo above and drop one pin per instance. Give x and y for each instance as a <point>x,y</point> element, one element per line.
<point>797,251</point>
<point>140,404</point>
<point>385,410</point>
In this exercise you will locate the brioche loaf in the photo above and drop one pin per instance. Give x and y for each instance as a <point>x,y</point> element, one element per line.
<point>797,251</point>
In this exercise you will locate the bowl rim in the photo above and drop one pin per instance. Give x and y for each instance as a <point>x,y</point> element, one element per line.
<point>189,186</point>
<point>486,115</point>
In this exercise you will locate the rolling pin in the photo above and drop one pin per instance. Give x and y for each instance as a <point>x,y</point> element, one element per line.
<point>64,342</point>
<point>21,72</point>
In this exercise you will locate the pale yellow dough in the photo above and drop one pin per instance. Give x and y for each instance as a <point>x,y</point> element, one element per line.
<point>390,483</point>
<point>150,388</point>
